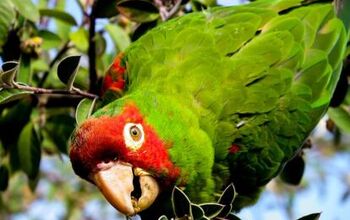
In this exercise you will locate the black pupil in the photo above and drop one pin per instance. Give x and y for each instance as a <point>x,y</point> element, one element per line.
<point>134,131</point>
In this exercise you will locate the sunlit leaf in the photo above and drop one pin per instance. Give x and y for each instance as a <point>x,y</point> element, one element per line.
<point>341,118</point>
<point>80,39</point>
<point>119,37</point>
<point>4,177</point>
<point>39,65</point>
<point>6,18</point>
<point>181,203</point>
<point>138,10</point>
<point>314,216</point>
<point>24,74</point>
<point>27,9</point>
<point>67,70</point>
<point>7,95</point>
<point>58,14</point>
<point>8,73</point>
<point>29,151</point>
<point>293,171</point>
<point>50,39</point>
<point>84,109</point>
<point>62,28</point>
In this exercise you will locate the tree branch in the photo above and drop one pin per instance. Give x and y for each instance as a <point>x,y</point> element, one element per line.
<point>36,90</point>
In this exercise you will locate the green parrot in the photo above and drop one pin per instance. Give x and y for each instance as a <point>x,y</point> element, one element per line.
<point>225,95</point>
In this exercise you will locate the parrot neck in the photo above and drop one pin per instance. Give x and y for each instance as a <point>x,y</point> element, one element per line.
<point>178,125</point>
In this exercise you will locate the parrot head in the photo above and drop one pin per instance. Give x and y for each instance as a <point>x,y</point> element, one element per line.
<point>124,157</point>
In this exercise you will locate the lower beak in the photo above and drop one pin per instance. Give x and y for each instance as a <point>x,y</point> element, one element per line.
<point>116,184</point>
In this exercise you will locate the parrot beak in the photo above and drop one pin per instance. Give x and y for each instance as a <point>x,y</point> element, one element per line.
<point>116,184</point>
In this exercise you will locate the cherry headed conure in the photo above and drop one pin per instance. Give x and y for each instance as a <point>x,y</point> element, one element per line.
<point>228,94</point>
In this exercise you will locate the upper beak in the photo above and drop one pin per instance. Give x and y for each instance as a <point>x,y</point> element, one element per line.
<point>116,184</point>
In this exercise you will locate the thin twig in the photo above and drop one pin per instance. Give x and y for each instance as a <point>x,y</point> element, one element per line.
<point>92,50</point>
<point>167,11</point>
<point>36,90</point>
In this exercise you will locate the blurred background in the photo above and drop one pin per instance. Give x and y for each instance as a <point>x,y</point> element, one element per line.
<point>56,193</point>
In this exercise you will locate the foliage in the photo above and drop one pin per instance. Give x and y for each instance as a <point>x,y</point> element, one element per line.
<point>52,69</point>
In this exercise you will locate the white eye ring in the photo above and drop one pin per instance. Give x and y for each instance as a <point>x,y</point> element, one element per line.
<point>133,135</point>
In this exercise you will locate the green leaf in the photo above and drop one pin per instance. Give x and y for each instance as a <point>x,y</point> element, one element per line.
<point>62,28</point>
<point>67,70</point>
<point>9,72</point>
<point>106,8</point>
<point>12,121</point>
<point>6,18</point>
<point>24,74</point>
<point>84,109</point>
<point>8,95</point>
<point>293,171</point>
<point>101,45</point>
<point>225,211</point>
<point>119,37</point>
<point>82,79</point>
<point>50,39</point>
<point>163,217</point>
<point>33,183</point>
<point>314,216</point>
<point>341,118</point>
<point>232,217</point>
<point>29,151</point>
<point>211,210</point>
<point>196,212</point>
<point>138,10</point>
<point>228,195</point>
<point>80,39</point>
<point>39,65</point>
<point>59,15</point>
<point>4,177</point>
<point>206,2</point>
<point>27,9</point>
<point>181,203</point>
<point>142,29</point>
<point>58,129</point>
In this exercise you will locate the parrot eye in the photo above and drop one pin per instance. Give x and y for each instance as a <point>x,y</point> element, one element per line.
<point>133,135</point>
